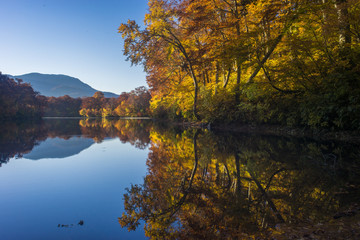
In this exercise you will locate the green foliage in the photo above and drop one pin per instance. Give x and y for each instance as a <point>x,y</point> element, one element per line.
<point>217,107</point>
<point>336,105</point>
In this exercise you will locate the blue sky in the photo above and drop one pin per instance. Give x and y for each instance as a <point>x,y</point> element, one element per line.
<point>73,37</point>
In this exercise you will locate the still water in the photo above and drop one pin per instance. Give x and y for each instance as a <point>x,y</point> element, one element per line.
<point>85,179</point>
<point>62,173</point>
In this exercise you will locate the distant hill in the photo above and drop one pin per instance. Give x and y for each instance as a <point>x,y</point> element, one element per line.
<point>52,85</point>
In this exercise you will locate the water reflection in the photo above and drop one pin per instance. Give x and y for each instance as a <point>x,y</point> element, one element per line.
<point>205,185</point>
<point>59,138</point>
<point>58,147</point>
<point>18,139</point>
<point>136,132</point>
<point>202,185</point>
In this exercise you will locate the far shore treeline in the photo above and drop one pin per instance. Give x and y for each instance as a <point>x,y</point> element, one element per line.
<point>19,101</point>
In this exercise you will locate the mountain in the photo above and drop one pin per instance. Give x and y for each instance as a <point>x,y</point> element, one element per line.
<point>52,85</point>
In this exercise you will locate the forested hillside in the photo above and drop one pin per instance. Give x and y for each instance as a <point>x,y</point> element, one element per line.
<point>18,100</point>
<point>293,63</point>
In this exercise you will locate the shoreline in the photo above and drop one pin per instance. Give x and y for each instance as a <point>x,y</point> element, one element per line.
<point>262,129</point>
<point>278,130</point>
<point>110,118</point>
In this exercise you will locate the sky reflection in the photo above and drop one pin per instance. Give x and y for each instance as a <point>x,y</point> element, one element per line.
<point>89,186</point>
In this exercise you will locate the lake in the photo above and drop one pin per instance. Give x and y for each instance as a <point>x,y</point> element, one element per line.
<point>85,179</point>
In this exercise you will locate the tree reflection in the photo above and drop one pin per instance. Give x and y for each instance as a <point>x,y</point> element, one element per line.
<point>135,132</point>
<point>205,186</point>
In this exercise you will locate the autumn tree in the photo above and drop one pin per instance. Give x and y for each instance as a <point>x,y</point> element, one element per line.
<point>251,61</point>
<point>162,34</point>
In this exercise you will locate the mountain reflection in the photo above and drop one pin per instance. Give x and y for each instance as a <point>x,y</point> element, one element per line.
<point>59,148</point>
<point>60,138</point>
<point>18,139</point>
<point>202,185</point>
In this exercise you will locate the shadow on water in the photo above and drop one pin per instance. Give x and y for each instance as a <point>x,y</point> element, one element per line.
<point>202,185</point>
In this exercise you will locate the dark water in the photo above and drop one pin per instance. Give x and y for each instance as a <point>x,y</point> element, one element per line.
<point>66,179</point>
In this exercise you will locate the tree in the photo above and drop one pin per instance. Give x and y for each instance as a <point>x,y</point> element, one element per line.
<point>162,29</point>
<point>99,95</point>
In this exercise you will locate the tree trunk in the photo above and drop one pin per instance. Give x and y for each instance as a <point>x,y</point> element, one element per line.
<point>196,89</point>
<point>238,78</point>
<point>266,57</point>
<point>177,43</point>
<point>237,178</point>
<point>226,78</point>
<point>276,41</point>
<point>238,62</point>
<point>344,27</point>
<point>217,76</point>
<point>204,78</point>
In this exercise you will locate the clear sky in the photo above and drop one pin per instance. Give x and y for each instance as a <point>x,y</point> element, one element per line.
<point>73,37</point>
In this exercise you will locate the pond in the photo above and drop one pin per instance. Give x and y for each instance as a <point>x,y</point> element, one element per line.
<point>85,179</point>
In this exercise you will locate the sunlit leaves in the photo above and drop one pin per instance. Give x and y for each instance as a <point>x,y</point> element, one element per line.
<point>133,104</point>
